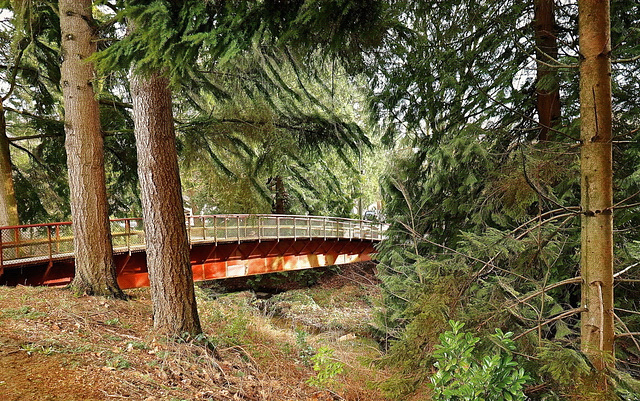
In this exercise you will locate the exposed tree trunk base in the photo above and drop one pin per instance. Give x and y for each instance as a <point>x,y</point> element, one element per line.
<point>82,287</point>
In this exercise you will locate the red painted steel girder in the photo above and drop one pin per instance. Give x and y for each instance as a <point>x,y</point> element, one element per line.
<point>210,261</point>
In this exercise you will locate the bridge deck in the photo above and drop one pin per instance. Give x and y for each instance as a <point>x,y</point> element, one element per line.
<point>46,250</point>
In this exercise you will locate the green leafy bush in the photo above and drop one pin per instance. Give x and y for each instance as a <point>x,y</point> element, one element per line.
<point>326,368</point>
<point>465,373</point>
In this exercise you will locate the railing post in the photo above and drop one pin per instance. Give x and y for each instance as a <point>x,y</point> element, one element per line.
<point>50,244</point>
<point>1,251</point>
<point>16,236</point>
<point>127,234</point>
<point>215,231</point>
<point>204,228</point>
<point>260,228</point>
<point>226,228</point>
<point>278,228</point>
<point>188,223</point>
<point>324,226</point>
<point>238,228</point>
<point>294,228</point>
<point>309,224</point>
<point>57,239</point>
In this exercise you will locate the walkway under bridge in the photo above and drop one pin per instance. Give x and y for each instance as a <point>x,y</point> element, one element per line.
<point>222,246</point>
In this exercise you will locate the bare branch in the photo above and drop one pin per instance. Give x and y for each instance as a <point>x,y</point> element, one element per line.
<point>568,313</point>
<point>624,271</point>
<point>633,338</point>
<point>572,280</point>
<point>626,60</point>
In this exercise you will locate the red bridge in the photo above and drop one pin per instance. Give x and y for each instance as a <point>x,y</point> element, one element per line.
<point>221,246</point>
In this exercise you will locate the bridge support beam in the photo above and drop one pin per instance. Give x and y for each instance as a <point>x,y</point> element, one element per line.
<point>211,261</point>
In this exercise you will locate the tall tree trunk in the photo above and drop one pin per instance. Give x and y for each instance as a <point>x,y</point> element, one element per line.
<point>597,190</point>
<point>95,269</point>
<point>280,205</point>
<point>8,204</point>
<point>171,279</point>
<point>547,90</point>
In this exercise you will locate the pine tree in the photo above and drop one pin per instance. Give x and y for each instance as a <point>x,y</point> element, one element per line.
<point>597,334</point>
<point>95,268</point>
<point>172,292</point>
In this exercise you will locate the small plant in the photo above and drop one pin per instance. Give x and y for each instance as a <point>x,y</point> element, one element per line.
<point>326,367</point>
<point>305,351</point>
<point>138,345</point>
<point>30,349</point>
<point>112,322</point>
<point>25,312</point>
<point>466,374</point>
<point>118,362</point>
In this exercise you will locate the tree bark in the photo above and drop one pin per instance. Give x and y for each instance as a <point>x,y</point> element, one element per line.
<point>280,204</point>
<point>8,204</point>
<point>547,90</point>
<point>95,269</point>
<point>597,334</point>
<point>170,276</point>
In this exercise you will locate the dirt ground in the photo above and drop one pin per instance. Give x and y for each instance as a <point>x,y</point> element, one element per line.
<point>58,346</point>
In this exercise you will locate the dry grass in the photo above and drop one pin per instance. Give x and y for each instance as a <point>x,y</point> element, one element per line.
<point>56,346</point>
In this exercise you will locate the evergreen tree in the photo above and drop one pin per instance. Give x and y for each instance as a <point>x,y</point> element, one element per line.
<point>597,331</point>
<point>95,268</point>
<point>483,221</point>
<point>172,293</point>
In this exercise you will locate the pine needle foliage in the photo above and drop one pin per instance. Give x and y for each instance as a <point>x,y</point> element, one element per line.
<point>482,216</point>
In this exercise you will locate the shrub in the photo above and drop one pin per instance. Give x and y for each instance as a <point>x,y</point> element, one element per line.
<point>464,373</point>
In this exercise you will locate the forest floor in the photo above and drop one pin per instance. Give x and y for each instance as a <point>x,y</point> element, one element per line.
<point>55,345</point>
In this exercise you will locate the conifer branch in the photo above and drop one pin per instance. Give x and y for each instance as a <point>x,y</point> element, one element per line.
<point>538,217</point>
<point>14,74</point>
<point>633,338</point>
<point>572,280</point>
<point>533,186</point>
<point>568,313</point>
<point>526,117</point>
<point>543,222</point>
<point>626,269</point>
<point>110,102</point>
<point>33,156</point>
<point>558,64</point>
<point>28,114</point>
<point>625,199</point>
<point>626,60</point>
<point>27,137</point>
<point>627,311</point>
<point>416,235</point>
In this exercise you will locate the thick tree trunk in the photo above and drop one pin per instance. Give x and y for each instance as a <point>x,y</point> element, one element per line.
<point>547,90</point>
<point>171,279</point>
<point>95,270</point>
<point>597,190</point>
<point>8,205</point>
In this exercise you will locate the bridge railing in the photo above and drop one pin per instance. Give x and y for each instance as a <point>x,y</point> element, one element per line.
<point>49,241</point>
